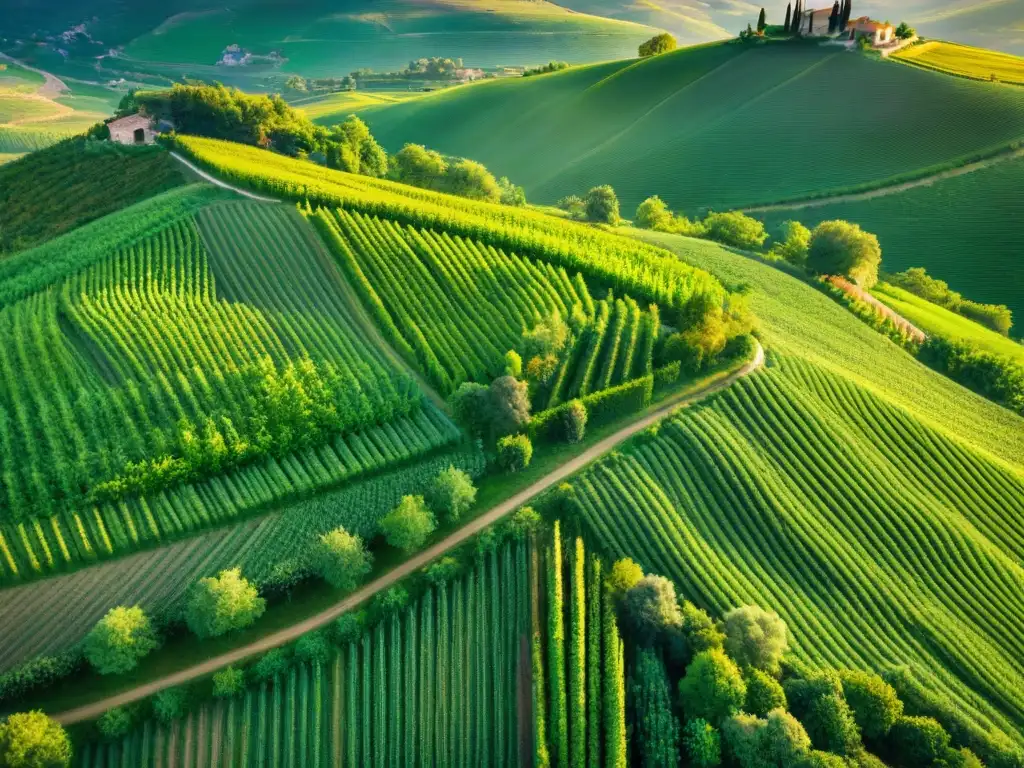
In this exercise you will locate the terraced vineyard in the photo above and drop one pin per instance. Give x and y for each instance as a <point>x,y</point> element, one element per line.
<point>51,616</point>
<point>880,541</point>
<point>75,182</point>
<point>438,683</point>
<point>433,289</point>
<point>141,405</point>
<point>711,126</point>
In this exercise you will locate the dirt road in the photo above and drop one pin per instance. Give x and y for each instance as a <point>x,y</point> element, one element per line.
<point>924,181</point>
<point>596,451</point>
<point>218,183</point>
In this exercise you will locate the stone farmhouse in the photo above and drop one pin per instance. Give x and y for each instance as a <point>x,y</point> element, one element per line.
<point>134,129</point>
<point>815,23</point>
<point>878,33</point>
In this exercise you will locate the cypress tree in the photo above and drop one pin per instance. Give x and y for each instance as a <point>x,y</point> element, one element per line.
<point>789,17</point>
<point>556,654</point>
<point>810,23</point>
<point>833,19</point>
<point>846,13</point>
<point>761,23</point>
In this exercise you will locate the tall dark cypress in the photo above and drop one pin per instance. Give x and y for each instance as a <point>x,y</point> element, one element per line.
<point>846,13</point>
<point>810,23</point>
<point>761,22</point>
<point>789,17</point>
<point>833,19</point>
<point>795,26</point>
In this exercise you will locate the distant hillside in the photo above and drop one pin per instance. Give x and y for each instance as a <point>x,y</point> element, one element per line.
<point>992,24</point>
<point>318,38</point>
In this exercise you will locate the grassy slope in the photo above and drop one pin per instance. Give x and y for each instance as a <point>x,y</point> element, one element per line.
<point>717,127</point>
<point>334,37</point>
<point>932,318</point>
<point>966,230</point>
<point>799,321</point>
<point>965,60</point>
<point>74,182</point>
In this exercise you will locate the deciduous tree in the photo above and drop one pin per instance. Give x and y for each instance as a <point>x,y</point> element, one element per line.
<point>409,524</point>
<point>342,559</point>
<point>841,248</point>
<point>223,603</point>
<point>120,640</point>
<point>33,740</point>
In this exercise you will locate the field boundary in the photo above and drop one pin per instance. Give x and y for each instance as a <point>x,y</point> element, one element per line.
<point>407,568</point>
<point>205,176</point>
<point>1003,156</point>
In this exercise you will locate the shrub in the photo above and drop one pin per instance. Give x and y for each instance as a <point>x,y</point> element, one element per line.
<point>415,164</point>
<point>917,742</point>
<point>452,493</point>
<point>842,248</point>
<point>509,405</point>
<point>524,521</point>
<point>702,744</point>
<point>273,663</point>
<point>654,214</point>
<point>513,364</point>
<point>764,693</point>
<point>662,43</point>
<point>313,648</point>
<point>602,205</point>
<point>409,524</point>
<point>755,637</point>
<point>996,377</point>
<point>735,229</point>
<point>742,736</point>
<point>170,704</point>
<point>228,682</point>
<point>114,724</point>
<point>794,245</point>
<point>905,31</point>
<point>696,633</point>
<point>469,404</point>
<point>712,688</point>
<point>349,626</point>
<point>119,640</point>
<point>574,421</point>
<point>442,571</point>
<point>511,194</point>
<point>393,599</point>
<point>831,725</point>
<point>342,559</point>
<point>698,346</point>
<point>783,740</point>
<point>623,576</point>
<point>223,603</point>
<point>649,608</point>
<point>515,452</point>
<point>467,178</point>
<point>875,703</point>
<point>33,740</point>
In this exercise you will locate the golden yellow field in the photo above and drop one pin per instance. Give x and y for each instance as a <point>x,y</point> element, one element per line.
<point>966,61</point>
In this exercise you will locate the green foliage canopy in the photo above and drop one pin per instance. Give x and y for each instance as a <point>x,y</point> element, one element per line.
<point>119,640</point>
<point>222,603</point>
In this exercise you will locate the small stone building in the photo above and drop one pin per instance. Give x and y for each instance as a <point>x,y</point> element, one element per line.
<point>878,33</point>
<point>134,129</point>
<point>815,23</point>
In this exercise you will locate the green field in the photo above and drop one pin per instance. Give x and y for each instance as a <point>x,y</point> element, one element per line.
<point>965,61</point>
<point>712,127</point>
<point>933,319</point>
<point>76,181</point>
<point>916,229</point>
<point>880,541</point>
<point>335,107</point>
<point>324,38</point>
<point>150,352</point>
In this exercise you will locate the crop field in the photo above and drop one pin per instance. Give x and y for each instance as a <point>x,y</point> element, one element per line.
<point>626,266</point>
<point>915,229</point>
<point>21,140</point>
<point>965,61</point>
<point>133,376</point>
<point>75,182</point>
<point>799,321</point>
<point>713,126</point>
<point>335,107</point>
<point>932,318</point>
<point>435,288</point>
<point>521,648</point>
<point>54,614</point>
<point>880,541</point>
<point>437,683</point>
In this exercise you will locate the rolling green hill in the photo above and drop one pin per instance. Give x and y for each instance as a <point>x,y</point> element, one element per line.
<point>325,38</point>
<point>976,249</point>
<point>719,126</point>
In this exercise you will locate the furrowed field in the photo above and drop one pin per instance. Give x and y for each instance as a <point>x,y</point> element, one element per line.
<point>880,541</point>
<point>719,126</point>
<point>54,615</point>
<point>147,405</point>
<point>915,229</point>
<point>522,648</point>
<point>965,61</point>
<point>933,319</point>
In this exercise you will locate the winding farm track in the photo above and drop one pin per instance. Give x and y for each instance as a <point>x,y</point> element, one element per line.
<point>218,183</point>
<point>51,89</point>
<point>894,189</point>
<point>596,451</point>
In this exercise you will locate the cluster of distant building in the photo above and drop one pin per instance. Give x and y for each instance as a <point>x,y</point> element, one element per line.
<point>817,23</point>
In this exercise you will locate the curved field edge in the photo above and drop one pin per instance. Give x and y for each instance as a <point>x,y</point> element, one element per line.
<point>796,319</point>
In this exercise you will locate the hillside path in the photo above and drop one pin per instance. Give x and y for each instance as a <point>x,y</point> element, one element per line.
<point>217,182</point>
<point>51,89</point>
<point>924,181</point>
<point>596,451</point>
